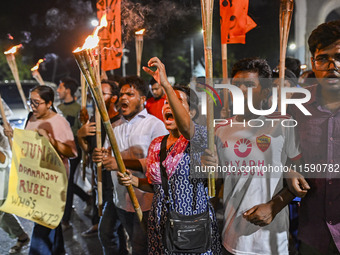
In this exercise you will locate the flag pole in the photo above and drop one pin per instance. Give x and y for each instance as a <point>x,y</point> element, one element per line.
<point>207,14</point>
<point>225,79</point>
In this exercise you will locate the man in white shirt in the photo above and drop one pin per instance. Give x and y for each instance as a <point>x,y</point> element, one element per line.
<point>253,196</point>
<point>134,134</point>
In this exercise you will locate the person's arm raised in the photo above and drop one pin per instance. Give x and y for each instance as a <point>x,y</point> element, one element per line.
<point>181,115</point>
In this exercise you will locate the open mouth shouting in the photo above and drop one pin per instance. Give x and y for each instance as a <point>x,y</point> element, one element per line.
<point>168,117</point>
<point>124,105</point>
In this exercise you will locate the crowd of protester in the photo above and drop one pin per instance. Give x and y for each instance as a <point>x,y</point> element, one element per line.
<point>161,141</point>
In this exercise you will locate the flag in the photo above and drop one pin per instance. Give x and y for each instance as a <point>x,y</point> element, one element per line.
<point>111,36</point>
<point>235,22</point>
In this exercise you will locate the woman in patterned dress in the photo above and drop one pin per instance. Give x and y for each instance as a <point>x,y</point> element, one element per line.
<point>185,144</point>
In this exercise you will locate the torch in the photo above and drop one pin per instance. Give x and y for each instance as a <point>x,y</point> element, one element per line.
<point>84,59</point>
<point>286,11</point>
<point>83,106</point>
<point>35,73</point>
<point>139,48</point>
<point>91,44</point>
<point>14,69</point>
<point>96,66</point>
<point>207,12</point>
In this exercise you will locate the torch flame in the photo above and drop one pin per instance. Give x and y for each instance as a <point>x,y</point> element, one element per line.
<point>13,49</point>
<point>36,67</point>
<point>92,40</point>
<point>103,23</point>
<point>140,32</point>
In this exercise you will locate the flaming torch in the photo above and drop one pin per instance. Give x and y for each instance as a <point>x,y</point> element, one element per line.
<point>14,69</point>
<point>207,13</point>
<point>139,48</point>
<point>35,73</point>
<point>88,66</point>
<point>286,11</point>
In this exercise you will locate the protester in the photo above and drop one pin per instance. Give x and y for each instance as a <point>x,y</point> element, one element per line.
<point>293,65</point>
<point>70,110</point>
<point>307,78</point>
<point>111,232</point>
<point>188,195</point>
<point>134,135</point>
<point>9,222</point>
<point>155,104</point>
<point>319,227</point>
<point>290,81</point>
<point>255,214</point>
<point>44,120</point>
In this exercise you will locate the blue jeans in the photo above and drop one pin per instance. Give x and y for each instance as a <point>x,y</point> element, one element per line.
<point>111,231</point>
<point>73,188</point>
<point>46,241</point>
<point>137,234</point>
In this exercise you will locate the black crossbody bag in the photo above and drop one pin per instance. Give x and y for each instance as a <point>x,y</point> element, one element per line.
<point>183,233</point>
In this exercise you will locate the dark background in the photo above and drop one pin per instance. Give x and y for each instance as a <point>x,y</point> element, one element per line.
<point>52,29</point>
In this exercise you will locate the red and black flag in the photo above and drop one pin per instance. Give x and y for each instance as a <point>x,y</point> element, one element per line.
<point>110,36</point>
<point>235,22</point>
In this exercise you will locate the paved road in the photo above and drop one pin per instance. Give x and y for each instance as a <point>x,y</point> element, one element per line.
<point>75,244</point>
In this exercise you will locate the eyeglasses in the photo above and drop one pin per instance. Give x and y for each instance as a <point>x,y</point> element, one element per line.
<point>34,103</point>
<point>322,62</point>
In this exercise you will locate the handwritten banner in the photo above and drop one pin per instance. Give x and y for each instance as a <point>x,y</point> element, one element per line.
<point>110,36</point>
<point>37,181</point>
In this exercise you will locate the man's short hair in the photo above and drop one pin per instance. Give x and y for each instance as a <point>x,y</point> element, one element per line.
<point>114,87</point>
<point>71,84</point>
<point>294,65</point>
<point>324,35</point>
<point>256,65</point>
<point>289,76</point>
<point>135,82</point>
<point>114,77</point>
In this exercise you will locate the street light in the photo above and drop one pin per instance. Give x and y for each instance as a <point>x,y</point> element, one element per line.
<point>94,22</point>
<point>292,46</point>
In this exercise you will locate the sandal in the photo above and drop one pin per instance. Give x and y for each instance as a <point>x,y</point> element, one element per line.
<point>18,246</point>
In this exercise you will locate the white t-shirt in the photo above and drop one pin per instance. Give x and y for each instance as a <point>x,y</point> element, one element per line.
<point>133,139</point>
<point>238,146</point>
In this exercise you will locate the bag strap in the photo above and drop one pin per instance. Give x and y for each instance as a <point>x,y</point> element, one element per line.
<point>28,118</point>
<point>164,176</point>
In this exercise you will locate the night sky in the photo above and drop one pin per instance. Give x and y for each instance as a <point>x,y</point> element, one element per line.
<point>54,28</point>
